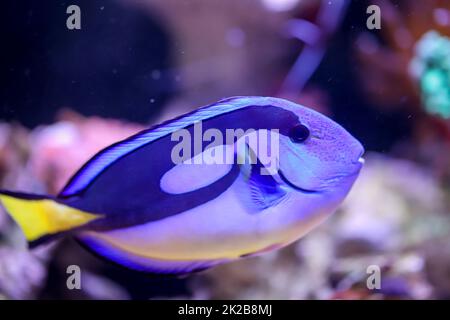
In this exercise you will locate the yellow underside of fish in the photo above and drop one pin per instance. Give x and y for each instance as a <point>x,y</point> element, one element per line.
<point>211,248</point>
<point>174,251</point>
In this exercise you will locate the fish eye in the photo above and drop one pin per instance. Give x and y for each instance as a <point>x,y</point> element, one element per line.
<point>299,133</point>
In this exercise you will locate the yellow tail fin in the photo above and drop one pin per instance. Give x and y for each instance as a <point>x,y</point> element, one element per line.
<point>41,217</point>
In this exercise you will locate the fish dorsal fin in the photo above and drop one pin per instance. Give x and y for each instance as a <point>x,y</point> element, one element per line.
<point>265,192</point>
<point>111,154</point>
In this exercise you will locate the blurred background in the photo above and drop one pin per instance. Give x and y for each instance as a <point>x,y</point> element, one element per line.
<point>65,94</point>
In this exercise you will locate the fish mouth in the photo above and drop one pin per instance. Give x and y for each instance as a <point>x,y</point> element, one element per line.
<point>360,159</point>
<point>294,186</point>
<point>358,164</point>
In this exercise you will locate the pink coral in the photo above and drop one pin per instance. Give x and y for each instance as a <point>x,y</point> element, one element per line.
<point>60,149</point>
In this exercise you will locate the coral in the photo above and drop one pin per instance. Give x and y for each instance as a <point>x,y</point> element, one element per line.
<point>431,67</point>
<point>394,211</point>
<point>58,150</point>
<point>385,61</point>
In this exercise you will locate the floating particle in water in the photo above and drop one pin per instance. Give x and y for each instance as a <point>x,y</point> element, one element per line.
<point>156,74</point>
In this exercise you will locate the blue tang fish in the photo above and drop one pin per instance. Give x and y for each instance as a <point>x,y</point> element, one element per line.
<point>133,205</point>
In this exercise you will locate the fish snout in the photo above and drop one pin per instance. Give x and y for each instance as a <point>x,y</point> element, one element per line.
<point>359,159</point>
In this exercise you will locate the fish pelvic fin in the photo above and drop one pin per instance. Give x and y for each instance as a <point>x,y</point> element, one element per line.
<point>41,217</point>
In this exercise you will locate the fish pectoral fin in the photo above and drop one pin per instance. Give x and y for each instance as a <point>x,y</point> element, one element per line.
<point>264,191</point>
<point>264,197</point>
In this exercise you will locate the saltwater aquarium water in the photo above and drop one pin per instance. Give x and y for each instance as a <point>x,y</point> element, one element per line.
<point>235,150</point>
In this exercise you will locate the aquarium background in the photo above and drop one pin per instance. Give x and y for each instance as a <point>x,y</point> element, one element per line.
<point>65,94</point>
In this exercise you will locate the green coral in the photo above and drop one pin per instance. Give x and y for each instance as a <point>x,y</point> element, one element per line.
<point>431,66</point>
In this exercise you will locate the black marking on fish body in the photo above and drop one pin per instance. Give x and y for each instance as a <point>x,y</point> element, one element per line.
<point>26,196</point>
<point>265,192</point>
<point>292,185</point>
<point>128,191</point>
